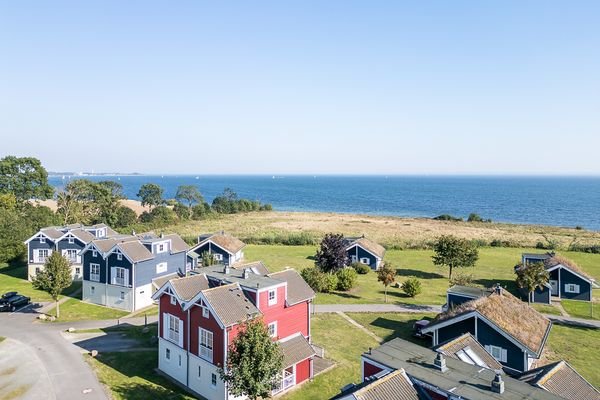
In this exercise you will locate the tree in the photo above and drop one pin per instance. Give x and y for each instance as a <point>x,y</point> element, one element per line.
<point>125,217</point>
<point>54,278</point>
<point>412,287</point>
<point>454,252</point>
<point>189,194</point>
<point>208,259</point>
<point>531,276</point>
<point>331,255</point>
<point>89,202</point>
<point>25,178</point>
<point>151,195</point>
<point>386,275</point>
<point>254,362</point>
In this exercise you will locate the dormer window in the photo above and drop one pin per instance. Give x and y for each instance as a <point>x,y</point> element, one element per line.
<point>101,232</point>
<point>272,297</point>
<point>42,239</point>
<point>161,248</point>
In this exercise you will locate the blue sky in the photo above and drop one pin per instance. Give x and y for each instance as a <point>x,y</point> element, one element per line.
<point>437,87</point>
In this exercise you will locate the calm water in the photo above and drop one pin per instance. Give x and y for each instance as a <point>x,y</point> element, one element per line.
<point>563,201</point>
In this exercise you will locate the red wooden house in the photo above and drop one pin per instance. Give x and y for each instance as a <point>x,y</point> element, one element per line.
<point>200,316</point>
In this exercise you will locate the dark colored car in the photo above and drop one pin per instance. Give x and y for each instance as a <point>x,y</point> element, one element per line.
<point>7,295</point>
<point>13,302</point>
<point>418,326</point>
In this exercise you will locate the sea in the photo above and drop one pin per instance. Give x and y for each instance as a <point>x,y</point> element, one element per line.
<point>557,201</point>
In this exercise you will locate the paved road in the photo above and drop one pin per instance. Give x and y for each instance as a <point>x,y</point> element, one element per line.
<point>71,378</point>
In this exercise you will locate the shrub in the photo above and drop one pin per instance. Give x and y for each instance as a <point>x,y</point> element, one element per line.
<point>183,212</point>
<point>412,287</point>
<point>360,268</point>
<point>125,217</point>
<point>346,279</point>
<point>474,218</point>
<point>200,211</point>
<point>447,217</point>
<point>462,280</point>
<point>319,281</point>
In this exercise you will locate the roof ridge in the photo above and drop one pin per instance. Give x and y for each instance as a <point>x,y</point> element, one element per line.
<point>381,380</point>
<point>550,373</point>
<point>221,286</point>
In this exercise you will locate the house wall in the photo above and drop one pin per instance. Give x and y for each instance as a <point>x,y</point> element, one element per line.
<point>454,300</point>
<point>143,296</point>
<point>210,324</point>
<point>123,263</point>
<point>145,271</point>
<point>302,371</point>
<point>35,244</point>
<point>290,320</point>
<point>487,335</point>
<point>214,249</point>
<point>362,253</point>
<point>88,259</point>
<point>541,295</point>
<point>65,245</point>
<point>585,290</point>
<point>176,365</point>
<point>95,296</point>
<point>455,330</point>
<point>369,369</point>
<point>201,382</point>
<point>174,309</point>
<point>108,295</point>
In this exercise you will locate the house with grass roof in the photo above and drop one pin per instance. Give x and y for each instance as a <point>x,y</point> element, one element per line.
<point>224,248</point>
<point>567,279</point>
<point>200,316</point>
<point>510,330</point>
<point>365,251</point>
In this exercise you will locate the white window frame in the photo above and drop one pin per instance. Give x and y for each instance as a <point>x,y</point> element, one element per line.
<point>205,312</point>
<point>205,344</point>
<point>77,270</point>
<point>120,280</point>
<point>122,296</point>
<point>161,267</point>
<point>173,300</point>
<point>173,329</point>
<point>71,240</point>
<point>273,300</point>
<point>119,256</point>
<point>365,260</point>
<point>42,239</point>
<point>94,276</point>
<point>73,258</point>
<point>40,258</point>
<point>217,256</point>
<point>500,352</point>
<point>160,248</point>
<point>272,329</point>
<point>213,381</point>
<point>94,253</point>
<point>168,354</point>
<point>572,288</point>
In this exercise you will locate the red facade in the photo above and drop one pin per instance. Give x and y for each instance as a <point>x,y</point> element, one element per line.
<point>370,369</point>
<point>174,309</point>
<point>302,371</point>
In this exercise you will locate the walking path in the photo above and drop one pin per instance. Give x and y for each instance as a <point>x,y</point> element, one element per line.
<point>359,326</point>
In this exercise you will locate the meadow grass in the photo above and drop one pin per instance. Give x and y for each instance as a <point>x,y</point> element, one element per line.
<point>77,310</point>
<point>582,309</point>
<point>14,278</point>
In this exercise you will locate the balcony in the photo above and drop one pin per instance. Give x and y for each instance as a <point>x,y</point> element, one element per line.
<point>283,383</point>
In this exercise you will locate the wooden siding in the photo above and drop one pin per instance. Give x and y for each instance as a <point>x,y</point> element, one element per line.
<point>302,371</point>
<point>370,369</point>
<point>174,309</point>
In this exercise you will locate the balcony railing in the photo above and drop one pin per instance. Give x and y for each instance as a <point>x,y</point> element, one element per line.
<point>119,281</point>
<point>283,383</point>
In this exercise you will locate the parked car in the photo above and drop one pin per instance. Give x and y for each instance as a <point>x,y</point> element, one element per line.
<point>13,302</point>
<point>7,295</point>
<point>418,326</point>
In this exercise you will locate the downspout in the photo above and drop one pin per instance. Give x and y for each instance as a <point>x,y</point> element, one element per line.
<point>187,352</point>
<point>133,284</point>
<point>106,284</point>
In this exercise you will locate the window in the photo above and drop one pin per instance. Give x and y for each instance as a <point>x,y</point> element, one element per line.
<point>120,276</point>
<point>199,371</point>
<point>218,257</point>
<point>353,258</point>
<point>173,300</point>
<point>94,253</point>
<point>42,255</point>
<point>272,297</point>
<point>365,260</point>
<point>571,288</point>
<point>180,360</point>
<point>71,255</point>
<point>161,267</point>
<point>71,240</point>
<point>119,256</point>
<point>213,380</point>
<point>161,248</point>
<point>497,352</point>
<point>205,312</point>
<point>168,354</point>
<point>272,327</point>
<point>77,270</point>
<point>37,270</point>
<point>42,239</point>
<point>173,328</point>
<point>122,296</point>
<point>95,272</point>
<point>93,289</point>
<point>206,344</point>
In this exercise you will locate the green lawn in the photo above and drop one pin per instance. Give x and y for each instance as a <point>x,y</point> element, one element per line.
<point>77,310</point>
<point>389,326</point>
<point>579,347</point>
<point>581,309</point>
<point>131,331</point>
<point>14,278</point>
<point>495,265</point>
<point>344,344</point>
<point>546,308</point>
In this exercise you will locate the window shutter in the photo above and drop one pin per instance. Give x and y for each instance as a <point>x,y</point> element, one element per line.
<point>165,325</point>
<point>576,287</point>
<point>180,333</point>
<point>127,277</point>
<point>113,275</point>
<point>503,356</point>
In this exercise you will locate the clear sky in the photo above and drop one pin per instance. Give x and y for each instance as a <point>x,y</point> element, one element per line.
<point>398,87</point>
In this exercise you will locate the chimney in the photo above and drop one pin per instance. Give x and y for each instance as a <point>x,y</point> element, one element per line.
<point>133,232</point>
<point>162,235</point>
<point>226,269</point>
<point>498,384</point>
<point>440,362</point>
<point>498,289</point>
<point>369,350</point>
<point>246,273</point>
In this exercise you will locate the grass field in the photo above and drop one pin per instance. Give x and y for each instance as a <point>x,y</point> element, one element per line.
<point>14,278</point>
<point>389,326</point>
<point>546,308</point>
<point>77,310</point>
<point>495,265</point>
<point>582,309</point>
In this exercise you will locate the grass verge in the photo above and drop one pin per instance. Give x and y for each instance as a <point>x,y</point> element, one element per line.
<point>14,278</point>
<point>546,308</point>
<point>582,309</point>
<point>77,310</point>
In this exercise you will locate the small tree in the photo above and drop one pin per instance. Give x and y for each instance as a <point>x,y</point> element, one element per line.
<point>454,252</point>
<point>55,277</point>
<point>386,275</point>
<point>411,287</point>
<point>208,259</point>
<point>347,278</point>
<point>531,277</point>
<point>331,255</point>
<point>253,363</point>
<point>151,195</point>
<point>190,194</point>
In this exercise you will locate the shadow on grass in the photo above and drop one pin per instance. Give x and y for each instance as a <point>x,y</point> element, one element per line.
<point>121,337</point>
<point>401,329</point>
<point>509,285</point>
<point>345,295</point>
<point>15,269</point>
<point>312,258</point>
<point>394,293</point>
<point>418,274</point>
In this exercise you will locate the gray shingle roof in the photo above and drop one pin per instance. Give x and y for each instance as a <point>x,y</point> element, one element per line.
<point>83,235</point>
<point>297,289</point>
<point>295,349</point>
<point>462,379</point>
<point>135,251</point>
<point>177,243</point>
<point>257,266</point>
<point>393,386</point>
<point>188,287</point>
<point>52,233</point>
<point>223,240</point>
<point>467,342</point>
<point>230,304</point>
<point>253,281</point>
<point>470,291</point>
<point>367,244</point>
<point>561,379</point>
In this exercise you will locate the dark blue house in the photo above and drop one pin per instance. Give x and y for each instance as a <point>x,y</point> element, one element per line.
<point>225,249</point>
<point>365,251</point>
<point>567,280</point>
<point>510,330</point>
<point>119,271</point>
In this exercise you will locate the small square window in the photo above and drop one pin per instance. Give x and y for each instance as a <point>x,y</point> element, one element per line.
<point>122,296</point>
<point>77,270</point>
<point>119,256</point>
<point>161,248</point>
<point>42,239</point>
<point>199,371</point>
<point>71,240</point>
<point>173,300</point>
<point>37,270</point>
<point>218,257</point>
<point>94,253</point>
<point>272,297</point>
<point>168,354</point>
<point>213,380</point>
<point>205,312</point>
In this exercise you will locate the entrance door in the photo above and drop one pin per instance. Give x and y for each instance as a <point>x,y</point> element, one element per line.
<point>554,285</point>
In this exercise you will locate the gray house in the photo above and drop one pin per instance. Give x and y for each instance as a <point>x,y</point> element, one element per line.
<point>567,280</point>
<point>118,272</point>
<point>69,240</point>
<point>365,251</point>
